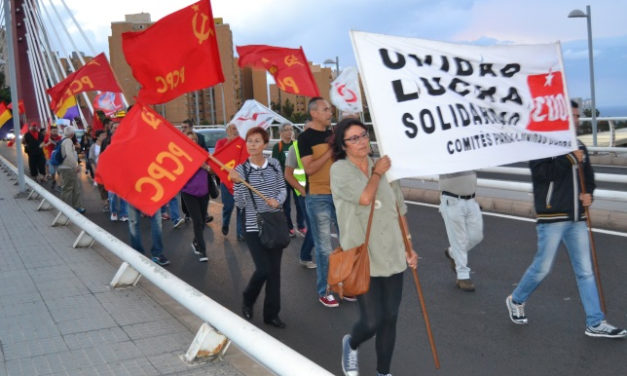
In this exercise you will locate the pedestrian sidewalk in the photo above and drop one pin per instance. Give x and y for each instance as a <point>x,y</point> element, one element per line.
<point>58,315</point>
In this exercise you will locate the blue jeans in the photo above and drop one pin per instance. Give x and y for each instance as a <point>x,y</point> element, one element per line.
<point>321,213</point>
<point>175,215</point>
<point>308,243</point>
<point>575,237</point>
<point>113,198</point>
<point>155,231</point>
<point>228,203</point>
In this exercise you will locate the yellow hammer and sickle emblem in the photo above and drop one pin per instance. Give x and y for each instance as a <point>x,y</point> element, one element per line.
<point>230,165</point>
<point>202,33</point>
<point>291,60</point>
<point>273,69</point>
<point>150,119</point>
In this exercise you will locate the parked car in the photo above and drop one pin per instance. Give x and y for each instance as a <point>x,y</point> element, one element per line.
<point>211,136</point>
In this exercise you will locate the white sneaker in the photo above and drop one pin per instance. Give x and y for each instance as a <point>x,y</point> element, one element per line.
<point>606,330</point>
<point>350,363</point>
<point>516,311</point>
<point>114,217</point>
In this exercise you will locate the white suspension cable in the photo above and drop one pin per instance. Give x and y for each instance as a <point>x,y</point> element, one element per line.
<point>43,97</point>
<point>70,64</point>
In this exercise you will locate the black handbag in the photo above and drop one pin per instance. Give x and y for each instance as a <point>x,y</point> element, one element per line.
<point>273,230</point>
<point>214,190</point>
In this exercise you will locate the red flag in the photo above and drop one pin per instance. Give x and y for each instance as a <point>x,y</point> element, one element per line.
<point>178,54</point>
<point>231,154</point>
<point>148,161</point>
<point>20,106</point>
<point>288,66</point>
<point>95,75</point>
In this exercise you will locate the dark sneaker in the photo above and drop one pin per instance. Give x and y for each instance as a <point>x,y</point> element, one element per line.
<point>208,219</point>
<point>328,301</point>
<point>450,259</point>
<point>81,210</point>
<point>517,312</point>
<point>179,222</point>
<point>606,330</point>
<point>161,260</point>
<point>225,230</point>
<point>350,363</point>
<point>465,285</point>
<point>201,256</point>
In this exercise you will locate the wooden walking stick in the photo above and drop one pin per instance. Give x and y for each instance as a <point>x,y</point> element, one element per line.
<point>593,250</point>
<point>408,248</point>
<point>223,166</point>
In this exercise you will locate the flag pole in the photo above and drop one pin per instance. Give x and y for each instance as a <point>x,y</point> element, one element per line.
<point>408,248</point>
<point>223,166</point>
<point>593,251</point>
<point>223,104</point>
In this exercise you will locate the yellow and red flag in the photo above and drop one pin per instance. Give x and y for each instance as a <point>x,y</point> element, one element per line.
<point>5,114</point>
<point>178,54</point>
<point>95,75</point>
<point>288,66</point>
<point>148,160</point>
<point>231,154</point>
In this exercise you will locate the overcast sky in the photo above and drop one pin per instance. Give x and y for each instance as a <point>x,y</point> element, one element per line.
<point>321,28</point>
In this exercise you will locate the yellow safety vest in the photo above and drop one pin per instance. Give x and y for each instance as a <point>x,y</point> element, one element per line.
<point>299,173</point>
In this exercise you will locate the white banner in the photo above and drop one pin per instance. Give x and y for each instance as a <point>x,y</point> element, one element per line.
<point>442,107</point>
<point>345,93</point>
<point>254,114</point>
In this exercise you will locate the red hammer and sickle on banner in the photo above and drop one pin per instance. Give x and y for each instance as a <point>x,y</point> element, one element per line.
<point>352,98</point>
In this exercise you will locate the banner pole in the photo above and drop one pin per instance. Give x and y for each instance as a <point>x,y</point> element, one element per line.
<point>408,248</point>
<point>224,167</point>
<point>593,251</point>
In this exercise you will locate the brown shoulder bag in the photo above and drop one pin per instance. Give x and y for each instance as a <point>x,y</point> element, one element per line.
<point>349,271</point>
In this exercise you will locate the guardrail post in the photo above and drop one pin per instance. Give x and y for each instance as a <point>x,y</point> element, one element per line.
<point>44,205</point>
<point>208,344</point>
<point>612,142</point>
<point>125,276</point>
<point>32,194</point>
<point>83,240</point>
<point>60,220</point>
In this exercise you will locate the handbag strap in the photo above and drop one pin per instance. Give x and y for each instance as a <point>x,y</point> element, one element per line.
<point>250,192</point>
<point>374,199</point>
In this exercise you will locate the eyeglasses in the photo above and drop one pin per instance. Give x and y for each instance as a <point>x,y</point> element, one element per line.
<point>355,139</point>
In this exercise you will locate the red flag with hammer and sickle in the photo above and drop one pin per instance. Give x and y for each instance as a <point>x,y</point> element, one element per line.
<point>288,66</point>
<point>148,160</point>
<point>178,54</point>
<point>96,74</point>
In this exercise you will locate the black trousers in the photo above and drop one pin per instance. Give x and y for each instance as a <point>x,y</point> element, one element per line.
<point>37,164</point>
<point>186,212</point>
<point>196,207</point>
<point>378,310</point>
<point>268,271</point>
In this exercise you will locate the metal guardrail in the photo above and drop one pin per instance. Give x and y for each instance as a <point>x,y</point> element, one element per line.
<point>598,176</point>
<point>264,348</point>
<point>528,187</point>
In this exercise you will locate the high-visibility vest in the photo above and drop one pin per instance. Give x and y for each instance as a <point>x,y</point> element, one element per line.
<point>299,173</point>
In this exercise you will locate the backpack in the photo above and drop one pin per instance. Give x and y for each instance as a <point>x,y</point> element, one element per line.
<point>56,158</point>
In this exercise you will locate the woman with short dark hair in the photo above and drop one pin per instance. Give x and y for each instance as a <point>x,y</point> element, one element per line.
<point>357,181</point>
<point>264,174</point>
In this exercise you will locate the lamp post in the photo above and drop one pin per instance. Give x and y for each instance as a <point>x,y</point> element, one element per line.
<point>579,14</point>
<point>337,64</point>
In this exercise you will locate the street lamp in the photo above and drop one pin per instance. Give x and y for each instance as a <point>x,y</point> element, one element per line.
<point>579,14</point>
<point>337,64</point>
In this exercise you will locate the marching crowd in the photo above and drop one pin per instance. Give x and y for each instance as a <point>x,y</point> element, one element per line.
<point>333,181</point>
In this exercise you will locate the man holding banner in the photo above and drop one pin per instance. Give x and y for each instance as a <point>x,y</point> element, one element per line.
<point>559,204</point>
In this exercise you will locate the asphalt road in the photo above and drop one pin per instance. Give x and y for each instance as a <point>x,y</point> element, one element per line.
<point>472,331</point>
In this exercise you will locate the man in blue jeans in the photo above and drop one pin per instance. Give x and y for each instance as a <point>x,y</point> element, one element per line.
<point>156,251</point>
<point>559,202</point>
<point>315,155</point>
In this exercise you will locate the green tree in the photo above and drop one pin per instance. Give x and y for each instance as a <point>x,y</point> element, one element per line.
<point>288,109</point>
<point>5,91</point>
